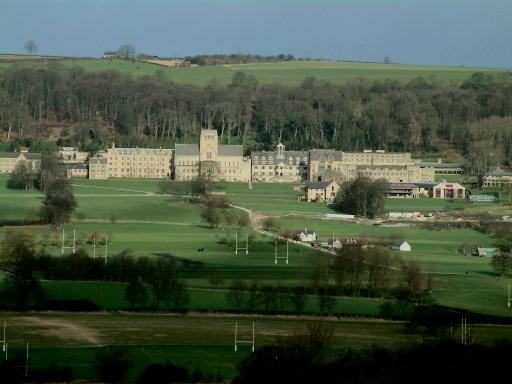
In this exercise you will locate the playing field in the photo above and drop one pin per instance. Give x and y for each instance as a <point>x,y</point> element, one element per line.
<point>134,216</point>
<point>289,73</point>
<point>204,341</point>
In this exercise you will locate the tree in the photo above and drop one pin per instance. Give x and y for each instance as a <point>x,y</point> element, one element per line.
<point>269,224</point>
<point>362,197</point>
<point>59,202</point>
<point>237,294</point>
<point>126,51</point>
<point>412,279</point>
<point>502,263</point>
<point>298,299</point>
<point>378,262</point>
<point>210,216</point>
<point>326,303</point>
<point>136,294</point>
<point>22,176</point>
<point>51,169</point>
<point>179,298</point>
<point>386,60</point>
<point>112,364</point>
<point>30,47</point>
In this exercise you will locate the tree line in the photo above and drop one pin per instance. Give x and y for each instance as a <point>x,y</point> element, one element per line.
<point>422,116</point>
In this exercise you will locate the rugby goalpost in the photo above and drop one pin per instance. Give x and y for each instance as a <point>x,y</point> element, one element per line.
<point>237,248</point>
<point>238,341</point>
<point>73,247</point>
<point>285,258</point>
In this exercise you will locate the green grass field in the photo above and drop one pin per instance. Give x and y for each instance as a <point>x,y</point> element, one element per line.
<point>289,73</point>
<point>134,216</point>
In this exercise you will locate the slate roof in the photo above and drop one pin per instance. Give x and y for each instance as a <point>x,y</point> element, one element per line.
<point>230,150</point>
<point>498,172</point>
<point>97,160</point>
<point>305,231</point>
<point>186,149</point>
<point>318,184</point>
<point>15,155</point>
<point>152,151</point>
<point>402,186</point>
<point>442,165</point>
<point>78,166</point>
<point>325,154</point>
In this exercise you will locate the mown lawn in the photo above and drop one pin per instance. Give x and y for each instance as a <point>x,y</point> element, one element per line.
<point>287,73</point>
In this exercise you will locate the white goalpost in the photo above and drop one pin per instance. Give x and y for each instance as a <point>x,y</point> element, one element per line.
<point>285,258</point>
<point>63,247</point>
<point>237,248</point>
<point>4,341</point>
<point>237,341</point>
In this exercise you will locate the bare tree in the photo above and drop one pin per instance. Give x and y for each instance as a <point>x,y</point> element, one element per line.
<point>30,47</point>
<point>126,51</point>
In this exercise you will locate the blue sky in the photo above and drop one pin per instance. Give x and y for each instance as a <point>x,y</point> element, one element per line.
<point>452,32</point>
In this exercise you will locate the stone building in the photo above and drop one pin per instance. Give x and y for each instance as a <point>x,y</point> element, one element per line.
<point>497,178</point>
<point>280,165</point>
<point>77,171</point>
<point>71,155</point>
<point>9,160</point>
<point>322,190</point>
<point>221,162</point>
<point>98,167</point>
<point>131,163</point>
<point>329,164</point>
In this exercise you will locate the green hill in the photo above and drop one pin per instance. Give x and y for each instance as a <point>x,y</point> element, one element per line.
<point>291,73</point>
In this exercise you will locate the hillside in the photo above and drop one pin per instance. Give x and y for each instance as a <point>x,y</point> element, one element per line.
<point>290,73</point>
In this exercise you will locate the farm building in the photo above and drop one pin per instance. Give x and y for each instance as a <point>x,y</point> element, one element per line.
<point>404,246</point>
<point>322,190</point>
<point>110,55</point>
<point>350,242</point>
<point>305,235</point>
<point>486,252</point>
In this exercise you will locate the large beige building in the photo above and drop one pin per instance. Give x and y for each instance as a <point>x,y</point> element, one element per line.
<point>329,164</point>
<point>497,178</point>
<point>71,155</point>
<point>131,163</point>
<point>280,166</point>
<point>222,162</point>
<point>9,160</point>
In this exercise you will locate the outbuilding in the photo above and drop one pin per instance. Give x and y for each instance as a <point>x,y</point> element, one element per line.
<point>322,190</point>
<point>404,246</point>
<point>486,252</point>
<point>306,235</point>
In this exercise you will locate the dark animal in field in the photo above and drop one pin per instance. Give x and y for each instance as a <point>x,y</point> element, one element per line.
<point>200,250</point>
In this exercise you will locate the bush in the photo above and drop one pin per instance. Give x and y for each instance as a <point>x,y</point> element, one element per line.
<point>163,374</point>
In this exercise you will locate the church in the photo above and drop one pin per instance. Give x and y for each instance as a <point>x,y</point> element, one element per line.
<point>219,161</point>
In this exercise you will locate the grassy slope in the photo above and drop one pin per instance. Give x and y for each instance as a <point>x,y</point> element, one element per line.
<point>182,234</point>
<point>291,73</point>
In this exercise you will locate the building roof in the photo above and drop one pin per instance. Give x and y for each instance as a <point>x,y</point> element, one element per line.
<point>402,186</point>
<point>498,172</point>
<point>305,231</point>
<point>231,150</point>
<point>318,184</point>
<point>293,155</point>
<point>97,160</point>
<point>15,155</point>
<point>324,154</point>
<point>441,165</point>
<point>186,150</point>
<point>77,166</point>
<point>148,151</point>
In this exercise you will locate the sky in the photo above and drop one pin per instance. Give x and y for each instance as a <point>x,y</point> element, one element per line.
<point>439,32</point>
